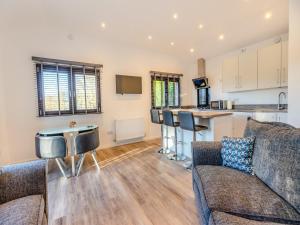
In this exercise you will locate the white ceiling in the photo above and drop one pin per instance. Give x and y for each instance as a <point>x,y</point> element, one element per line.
<point>130,21</point>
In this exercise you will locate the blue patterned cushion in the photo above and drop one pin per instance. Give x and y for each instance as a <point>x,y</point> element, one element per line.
<point>237,153</point>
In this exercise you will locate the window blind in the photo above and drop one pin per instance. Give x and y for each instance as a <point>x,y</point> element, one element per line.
<point>66,88</point>
<point>165,89</point>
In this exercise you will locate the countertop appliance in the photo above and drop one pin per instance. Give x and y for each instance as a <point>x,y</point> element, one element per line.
<point>220,104</point>
<point>201,85</point>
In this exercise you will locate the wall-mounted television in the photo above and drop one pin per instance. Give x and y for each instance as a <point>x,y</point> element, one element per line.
<point>128,84</point>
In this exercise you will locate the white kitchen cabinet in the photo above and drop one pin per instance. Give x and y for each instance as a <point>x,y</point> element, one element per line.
<point>247,72</point>
<point>284,63</point>
<point>239,122</point>
<point>282,117</point>
<point>265,117</point>
<point>269,66</point>
<point>230,74</point>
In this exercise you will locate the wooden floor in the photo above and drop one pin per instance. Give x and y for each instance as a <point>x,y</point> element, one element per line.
<point>134,185</point>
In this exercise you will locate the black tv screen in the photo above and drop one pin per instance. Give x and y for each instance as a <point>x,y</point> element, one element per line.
<point>128,84</point>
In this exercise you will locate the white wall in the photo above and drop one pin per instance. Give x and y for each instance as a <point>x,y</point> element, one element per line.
<point>20,88</point>
<point>214,74</point>
<point>2,106</point>
<point>294,63</point>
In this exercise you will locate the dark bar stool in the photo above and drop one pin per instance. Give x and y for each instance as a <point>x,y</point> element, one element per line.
<point>51,147</point>
<point>187,122</point>
<point>87,142</point>
<point>168,120</point>
<point>155,118</point>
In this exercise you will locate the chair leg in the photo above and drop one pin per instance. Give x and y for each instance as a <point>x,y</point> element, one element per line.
<point>188,164</point>
<point>80,164</point>
<point>175,143</point>
<point>63,163</point>
<point>167,133</point>
<point>60,167</point>
<point>95,159</point>
<point>162,139</point>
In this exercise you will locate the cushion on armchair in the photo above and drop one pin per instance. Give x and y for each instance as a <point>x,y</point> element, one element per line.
<point>276,158</point>
<point>229,190</point>
<point>237,153</point>
<point>27,210</point>
<point>221,218</point>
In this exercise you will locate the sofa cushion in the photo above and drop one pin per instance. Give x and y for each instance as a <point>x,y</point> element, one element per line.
<point>27,210</point>
<point>237,153</point>
<point>276,158</point>
<point>229,190</point>
<point>221,218</point>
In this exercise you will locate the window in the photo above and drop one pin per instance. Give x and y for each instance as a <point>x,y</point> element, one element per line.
<point>165,90</point>
<point>67,87</point>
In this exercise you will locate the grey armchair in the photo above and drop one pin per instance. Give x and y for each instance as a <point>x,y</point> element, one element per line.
<point>271,196</point>
<point>23,193</point>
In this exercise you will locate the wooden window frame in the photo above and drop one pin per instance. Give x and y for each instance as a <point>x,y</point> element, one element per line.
<point>40,62</point>
<point>166,77</point>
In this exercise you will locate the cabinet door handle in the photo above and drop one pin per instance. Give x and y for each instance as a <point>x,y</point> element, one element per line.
<point>235,82</point>
<point>278,76</point>
<point>283,75</point>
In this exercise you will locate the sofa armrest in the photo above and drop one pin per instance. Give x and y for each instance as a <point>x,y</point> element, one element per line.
<point>206,153</point>
<point>23,179</point>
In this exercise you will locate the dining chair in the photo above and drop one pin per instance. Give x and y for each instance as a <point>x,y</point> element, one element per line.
<point>168,121</point>
<point>187,122</point>
<point>51,147</point>
<point>86,142</point>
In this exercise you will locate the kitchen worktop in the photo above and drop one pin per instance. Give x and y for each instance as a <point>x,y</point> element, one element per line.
<point>270,108</point>
<point>204,114</point>
<point>246,110</point>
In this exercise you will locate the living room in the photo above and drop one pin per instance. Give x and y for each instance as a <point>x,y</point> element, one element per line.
<point>111,109</point>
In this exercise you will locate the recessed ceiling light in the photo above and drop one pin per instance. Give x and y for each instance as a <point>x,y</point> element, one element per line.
<point>268,15</point>
<point>200,26</point>
<point>192,50</point>
<point>221,37</point>
<point>175,16</point>
<point>103,25</point>
<point>149,37</point>
<point>172,43</point>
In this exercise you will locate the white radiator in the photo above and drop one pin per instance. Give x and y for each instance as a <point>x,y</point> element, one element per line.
<point>128,129</point>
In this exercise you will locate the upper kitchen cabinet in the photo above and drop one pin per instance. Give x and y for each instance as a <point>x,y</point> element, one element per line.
<point>284,65</point>
<point>230,74</point>
<point>247,75</point>
<point>269,66</point>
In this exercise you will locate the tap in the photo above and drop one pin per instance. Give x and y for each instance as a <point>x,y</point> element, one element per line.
<point>280,105</point>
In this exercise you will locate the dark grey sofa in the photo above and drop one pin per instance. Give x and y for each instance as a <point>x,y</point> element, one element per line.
<point>23,194</point>
<point>272,196</point>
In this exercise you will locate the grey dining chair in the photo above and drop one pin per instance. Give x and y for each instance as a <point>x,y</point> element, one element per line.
<point>187,122</point>
<point>51,147</point>
<point>168,120</point>
<point>86,142</point>
<point>156,118</point>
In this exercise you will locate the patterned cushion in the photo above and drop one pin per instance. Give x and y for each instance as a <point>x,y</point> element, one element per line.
<point>237,153</point>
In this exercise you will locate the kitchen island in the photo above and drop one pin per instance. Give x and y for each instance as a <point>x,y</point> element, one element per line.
<point>219,124</point>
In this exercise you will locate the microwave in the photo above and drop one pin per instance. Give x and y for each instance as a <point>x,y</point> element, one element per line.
<point>221,104</point>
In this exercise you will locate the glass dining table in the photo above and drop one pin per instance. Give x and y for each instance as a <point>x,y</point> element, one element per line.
<point>70,134</point>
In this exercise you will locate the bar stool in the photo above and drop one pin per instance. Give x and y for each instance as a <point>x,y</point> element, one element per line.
<point>51,147</point>
<point>168,120</point>
<point>85,142</point>
<point>187,122</point>
<point>155,118</point>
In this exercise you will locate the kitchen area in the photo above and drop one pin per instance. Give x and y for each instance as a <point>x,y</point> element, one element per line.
<point>248,82</point>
